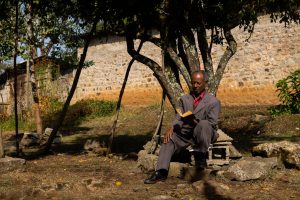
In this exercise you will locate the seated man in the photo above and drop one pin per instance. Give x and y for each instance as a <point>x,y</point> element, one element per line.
<point>200,129</point>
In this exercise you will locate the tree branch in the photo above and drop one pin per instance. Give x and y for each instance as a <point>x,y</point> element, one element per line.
<point>149,38</point>
<point>229,52</point>
<point>158,72</point>
<point>191,50</point>
<point>183,70</point>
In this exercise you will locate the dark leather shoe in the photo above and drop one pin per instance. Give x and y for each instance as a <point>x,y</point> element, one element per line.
<point>200,160</point>
<point>155,177</point>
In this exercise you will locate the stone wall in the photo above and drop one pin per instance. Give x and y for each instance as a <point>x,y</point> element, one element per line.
<point>271,53</point>
<point>104,79</point>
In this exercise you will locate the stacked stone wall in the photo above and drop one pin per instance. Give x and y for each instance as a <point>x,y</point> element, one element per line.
<point>271,53</point>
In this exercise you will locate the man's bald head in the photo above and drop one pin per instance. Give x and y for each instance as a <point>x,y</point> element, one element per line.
<point>202,73</point>
<point>199,80</point>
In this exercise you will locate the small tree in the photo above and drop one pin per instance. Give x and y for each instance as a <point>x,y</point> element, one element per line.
<point>289,94</point>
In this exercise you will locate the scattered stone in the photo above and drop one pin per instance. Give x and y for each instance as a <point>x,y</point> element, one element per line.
<point>261,119</point>
<point>48,188</point>
<point>46,135</point>
<point>61,186</point>
<point>91,144</point>
<point>100,151</point>
<point>30,139</point>
<point>162,197</point>
<point>11,164</point>
<point>150,147</point>
<point>223,137</point>
<point>147,162</point>
<point>176,168</point>
<point>183,186</point>
<point>220,174</point>
<point>288,152</point>
<point>10,149</point>
<point>251,169</point>
<point>93,184</point>
<point>234,153</point>
<point>215,167</point>
<point>87,181</point>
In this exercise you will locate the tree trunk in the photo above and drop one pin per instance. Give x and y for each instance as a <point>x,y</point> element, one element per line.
<point>72,91</point>
<point>2,155</point>
<point>169,85</point>
<point>16,79</point>
<point>28,86</point>
<point>33,54</point>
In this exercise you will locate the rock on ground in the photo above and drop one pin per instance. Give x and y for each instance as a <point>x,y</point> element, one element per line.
<point>288,152</point>
<point>251,169</point>
<point>146,162</point>
<point>234,153</point>
<point>10,164</point>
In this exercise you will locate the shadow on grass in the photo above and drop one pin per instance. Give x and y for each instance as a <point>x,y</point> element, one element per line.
<point>245,139</point>
<point>122,143</point>
<point>73,143</point>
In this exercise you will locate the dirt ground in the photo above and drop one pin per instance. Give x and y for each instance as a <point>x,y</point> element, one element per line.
<point>70,173</point>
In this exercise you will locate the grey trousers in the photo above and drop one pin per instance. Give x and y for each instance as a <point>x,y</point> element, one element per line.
<point>203,136</point>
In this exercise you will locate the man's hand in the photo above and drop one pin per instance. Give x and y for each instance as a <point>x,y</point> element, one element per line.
<point>190,120</point>
<point>168,135</point>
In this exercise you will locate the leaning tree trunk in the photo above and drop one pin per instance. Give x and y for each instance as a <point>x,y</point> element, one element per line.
<point>72,91</point>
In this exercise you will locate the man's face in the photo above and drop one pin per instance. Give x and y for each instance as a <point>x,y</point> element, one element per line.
<point>198,83</point>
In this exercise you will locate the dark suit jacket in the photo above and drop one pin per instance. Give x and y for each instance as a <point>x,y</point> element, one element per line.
<point>208,109</point>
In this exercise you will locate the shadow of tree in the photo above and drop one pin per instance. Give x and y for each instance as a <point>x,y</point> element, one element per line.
<point>245,140</point>
<point>122,144</point>
<point>211,193</point>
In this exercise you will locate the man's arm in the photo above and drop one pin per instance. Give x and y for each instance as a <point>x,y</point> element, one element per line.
<point>213,113</point>
<point>168,135</point>
<point>176,124</point>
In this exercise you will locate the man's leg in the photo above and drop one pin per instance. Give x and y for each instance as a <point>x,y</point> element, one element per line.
<point>203,134</point>
<point>165,154</point>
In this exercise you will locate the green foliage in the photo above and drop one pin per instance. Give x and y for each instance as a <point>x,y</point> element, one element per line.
<point>91,108</point>
<point>51,107</point>
<point>289,94</point>
<point>80,111</point>
<point>7,123</point>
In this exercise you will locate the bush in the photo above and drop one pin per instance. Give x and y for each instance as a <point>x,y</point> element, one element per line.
<point>7,123</point>
<point>289,94</point>
<point>87,109</point>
